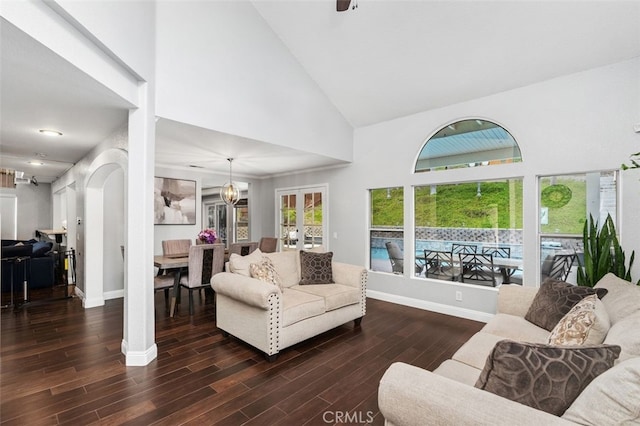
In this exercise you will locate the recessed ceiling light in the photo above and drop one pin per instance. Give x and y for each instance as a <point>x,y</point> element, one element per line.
<point>36,163</point>
<point>50,132</point>
<point>41,154</point>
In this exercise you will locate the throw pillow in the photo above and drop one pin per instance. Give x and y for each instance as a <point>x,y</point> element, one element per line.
<point>315,268</point>
<point>612,398</point>
<point>265,271</point>
<point>41,248</point>
<point>553,301</point>
<point>574,328</point>
<point>623,298</point>
<point>240,264</point>
<point>547,378</point>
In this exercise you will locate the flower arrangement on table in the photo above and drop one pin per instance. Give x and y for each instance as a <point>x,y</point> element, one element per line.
<point>208,236</point>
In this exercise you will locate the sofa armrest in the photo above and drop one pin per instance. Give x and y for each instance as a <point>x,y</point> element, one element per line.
<point>515,299</point>
<point>351,275</point>
<point>244,289</point>
<point>409,395</point>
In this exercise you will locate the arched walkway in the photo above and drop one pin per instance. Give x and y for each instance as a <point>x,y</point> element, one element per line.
<point>99,170</point>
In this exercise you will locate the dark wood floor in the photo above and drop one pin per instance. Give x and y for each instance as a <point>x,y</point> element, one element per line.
<point>62,364</point>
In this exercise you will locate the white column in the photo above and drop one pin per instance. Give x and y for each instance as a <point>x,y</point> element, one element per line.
<point>138,343</point>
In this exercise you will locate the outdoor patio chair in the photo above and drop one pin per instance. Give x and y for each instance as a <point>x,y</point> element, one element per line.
<point>397,259</point>
<point>439,264</point>
<point>557,266</point>
<point>477,268</point>
<point>499,251</point>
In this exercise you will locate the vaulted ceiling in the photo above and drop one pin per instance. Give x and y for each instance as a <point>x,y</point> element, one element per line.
<point>383,60</point>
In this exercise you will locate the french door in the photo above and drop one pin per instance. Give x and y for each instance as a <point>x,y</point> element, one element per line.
<point>302,217</point>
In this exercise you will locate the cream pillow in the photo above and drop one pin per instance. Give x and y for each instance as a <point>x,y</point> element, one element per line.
<point>265,271</point>
<point>241,264</point>
<point>622,298</point>
<point>612,398</point>
<point>601,326</point>
<point>574,328</point>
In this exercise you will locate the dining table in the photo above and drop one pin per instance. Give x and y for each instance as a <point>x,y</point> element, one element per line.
<point>177,263</point>
<point>507,266</point>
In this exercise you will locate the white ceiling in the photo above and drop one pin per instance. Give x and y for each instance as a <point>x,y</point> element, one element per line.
<point>383,60</point>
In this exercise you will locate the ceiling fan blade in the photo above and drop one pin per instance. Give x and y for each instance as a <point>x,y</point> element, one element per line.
<point>342,5</point>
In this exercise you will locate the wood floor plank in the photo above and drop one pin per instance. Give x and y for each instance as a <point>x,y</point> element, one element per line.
<point>61,364</point>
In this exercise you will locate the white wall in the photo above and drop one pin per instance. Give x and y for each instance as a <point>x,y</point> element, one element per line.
<point>114,228</point>
<point>75,178</point>
<point>34,209</point>
<point>220,67</point>
<point>173,232</point>
<point>582,122</point>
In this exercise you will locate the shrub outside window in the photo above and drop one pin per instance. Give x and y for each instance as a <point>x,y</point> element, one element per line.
<point>566,202</point>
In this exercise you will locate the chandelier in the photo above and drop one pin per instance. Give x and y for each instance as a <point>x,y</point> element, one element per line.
<point>229,191</point>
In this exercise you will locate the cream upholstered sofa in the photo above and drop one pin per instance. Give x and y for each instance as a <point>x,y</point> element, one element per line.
<point>409,395</point>
<point>270,318</point>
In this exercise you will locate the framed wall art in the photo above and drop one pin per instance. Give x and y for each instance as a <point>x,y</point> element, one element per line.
<point>174,201</point>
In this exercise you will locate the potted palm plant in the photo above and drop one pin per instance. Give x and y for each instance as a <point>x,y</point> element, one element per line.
<point>602,254</point>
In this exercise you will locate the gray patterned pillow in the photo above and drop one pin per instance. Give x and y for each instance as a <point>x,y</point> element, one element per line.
<point>548,378</point>
<point>553,301</point>
<point>315,268</point>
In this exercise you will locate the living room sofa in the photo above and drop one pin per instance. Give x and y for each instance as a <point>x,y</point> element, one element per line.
<point>40,273</point>
<point>273,317</point>
<point>409,395</point>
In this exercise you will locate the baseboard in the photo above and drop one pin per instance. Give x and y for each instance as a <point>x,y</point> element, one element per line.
<point>138,358</point>
<point>430,306</point>
<point>115,294</point>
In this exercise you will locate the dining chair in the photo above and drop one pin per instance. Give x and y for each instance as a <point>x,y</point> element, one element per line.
<point>439,264</point>
<point>268,244</point>
<point>477,268</point>
<point>457,248</point>
<point>171,247</point>
<point>205,260</point>
<point>164,282</point>
<point>243,249</point>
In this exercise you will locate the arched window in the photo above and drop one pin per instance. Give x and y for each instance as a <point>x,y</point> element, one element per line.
<point>468,143</point>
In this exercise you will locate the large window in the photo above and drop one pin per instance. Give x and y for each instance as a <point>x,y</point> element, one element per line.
<point>566,202</point>
<point>481,218</point>
<point>386,230</point>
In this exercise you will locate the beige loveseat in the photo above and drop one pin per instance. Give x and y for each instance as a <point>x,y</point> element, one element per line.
<point>412,396</point>
<point>271,319</point>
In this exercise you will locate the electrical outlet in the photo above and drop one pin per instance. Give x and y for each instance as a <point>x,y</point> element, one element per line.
<point>459,296</point>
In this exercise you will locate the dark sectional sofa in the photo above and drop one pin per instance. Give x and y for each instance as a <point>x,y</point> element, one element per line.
<point>40,270</point>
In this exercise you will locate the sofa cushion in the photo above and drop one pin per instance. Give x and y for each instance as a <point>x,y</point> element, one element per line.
<point>475,351</point>
<point>458,371</point>
<point>622,299</point>
<point>611,398</point>
<point>625,334</point>
<point>335,296</point>
<point>265,271</point>
<point>547,378</point>
<point>241,264</point>
<point>315,268</point>
<point>553,301</point>
<point>298,305</point>
<point>287,265</point>
<point>516,328</point>
<point>574,328</point>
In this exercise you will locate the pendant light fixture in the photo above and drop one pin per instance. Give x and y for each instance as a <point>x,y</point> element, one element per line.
<point>229,191</point>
